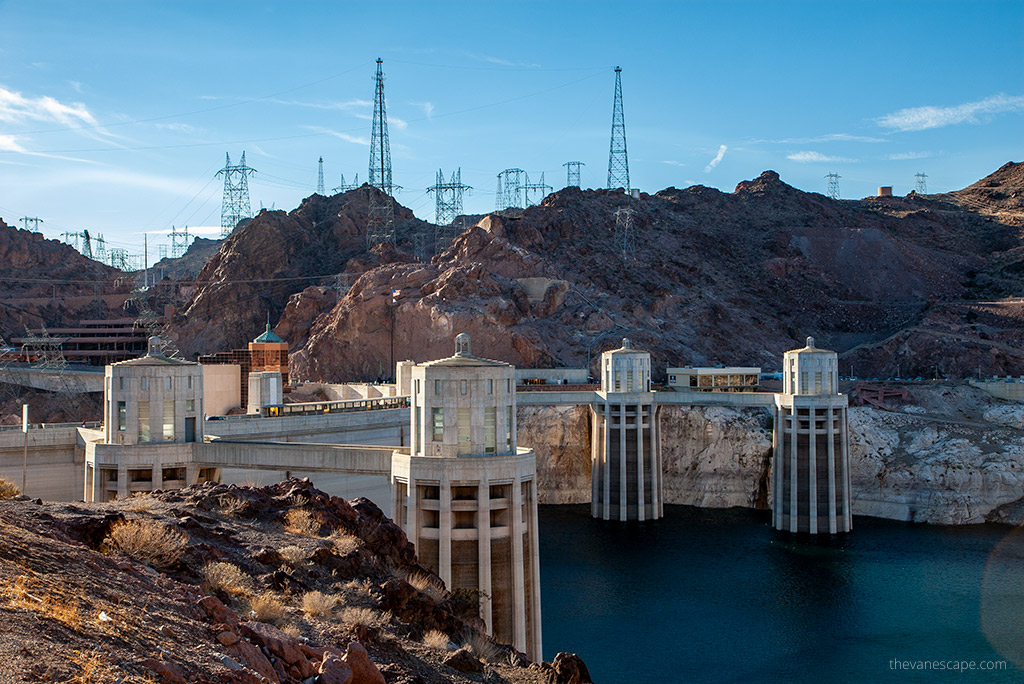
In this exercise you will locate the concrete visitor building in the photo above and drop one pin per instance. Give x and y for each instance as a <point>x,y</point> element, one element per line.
<point>466,494</point>
<point>811,459</point>
<point>626,448</point>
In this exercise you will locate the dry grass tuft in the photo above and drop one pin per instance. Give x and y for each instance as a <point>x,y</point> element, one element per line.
<point>318,604</point>
<point>303,522</point>
<point>436,639</point>
<point>429,585</point>
<point>343,542</point>
<point>147,541</point>
<point>292,631</point>
<point>92,669</point>
<point>293,555</point>
<point>8,490</point>
<point>139,502</point>
<point>37,598</point>
<point>226,577</point>
<point>232,504</point>
<point>267,607</point>
<point>484,647</point>
<point>350,615</point>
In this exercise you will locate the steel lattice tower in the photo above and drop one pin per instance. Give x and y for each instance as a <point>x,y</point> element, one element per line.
<point>320,178</point>
<point>540,187</point>
<point>572,173</point>
<point>343,187</point>
<point>511,192</point>
<point>448,207</point>
<point>86,244</point>
<point>922,185</point>
<point>625,239</point>
<point>618,162</point>
<point>33,220</point>
<point>179,242</point>
<point>101,249</point>
<point>235,205</point>
<point>380,224</point>
<point>833,185</point>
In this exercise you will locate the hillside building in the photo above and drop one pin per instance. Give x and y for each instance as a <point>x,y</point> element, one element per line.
<point>466,494</point>
<point>717,379</point>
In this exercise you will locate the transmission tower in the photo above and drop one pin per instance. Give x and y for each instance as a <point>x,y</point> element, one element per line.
<point>86,244</point>
<point>179,242</point>
<point>448,198</point>
<point>511,192</point>
<point>320,178</point>
<point>572,173</point>
<point>922,185</point>
<point>35,220</point>
<point>161,251</point>
<point>618,163</point>
<point>833,185</point>
<point>119,258</point>
<point>380,224</point>
<point>624,234</point>
<point>529,187</point>
<point>101,249</point>
<point>235,205</point>
<point>46,353</point>
<point>343,187</point>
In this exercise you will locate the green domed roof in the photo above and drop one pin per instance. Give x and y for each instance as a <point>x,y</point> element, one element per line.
<point>268,336</point>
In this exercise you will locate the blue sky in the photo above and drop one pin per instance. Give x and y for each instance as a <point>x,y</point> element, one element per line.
<point>115,116</point>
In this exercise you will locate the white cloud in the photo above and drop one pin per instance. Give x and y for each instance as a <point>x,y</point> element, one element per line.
<point>358,140</point>
<point>400,124</point>
<point>9,143</point>
<point>503,62</point>
<point>811,157</point>
<point>673,162</point>
<point>908,155</point>
<point>428,108</point>
<point>344,105</point>
<point>923,118</point>
<point>831,137</point>
<point>77,85</point>
<point>176,127</point>
<point>717,160</point>
<point>15,108</point>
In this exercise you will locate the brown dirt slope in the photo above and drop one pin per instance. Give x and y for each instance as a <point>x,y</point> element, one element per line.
<point>277,584</point>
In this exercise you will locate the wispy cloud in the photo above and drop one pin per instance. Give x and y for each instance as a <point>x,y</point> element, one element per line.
<point>908,155</point>
<point>673,162</point>
<point>176,127</point>
<point>503,62</point>
<point>717,160</point>
<point>9,143</point>
<point>811,157</point>
<point>343,105</point>
<point>428,108</point>
<point>355,139</point>
<point>923,118</point>
<point>77,85</point>
<point>15,108</point>
<point>831,137</point>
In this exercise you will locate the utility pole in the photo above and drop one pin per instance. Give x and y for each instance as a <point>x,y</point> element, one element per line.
<point>572,173</point>
<point>624,234</point>
<point>320,178</point>
<point>380,223</point>
<point>24,428</point>
<point>145,260</point>
<point>833,185</point>
<point>235,205</point>
<point>618,161</point>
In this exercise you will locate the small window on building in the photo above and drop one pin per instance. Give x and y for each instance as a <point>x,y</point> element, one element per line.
<point>463,387</point>
<point>168,421</point>
<point>508,386</point>
<point>144,435</point>
<point>465,446</point>
<point>490,386</point>
<point>508,429</point>
<point>145,384</point>
<point>170,383</point>
<point>817,383</point>
<point>189,385</point>
<point>417,387</point>
<point>122,415</point>
<point>438,422</point>
<point>417,425</point>
<point>490,418</point>
<point>120,383</point>
<point>437,386</point>
<point>190,405</point>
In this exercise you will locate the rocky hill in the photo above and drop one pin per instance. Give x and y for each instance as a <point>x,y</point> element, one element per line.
<point>46,282</point>
<point>189,264</point>
<point>918,281</point>
<point>280,584</point>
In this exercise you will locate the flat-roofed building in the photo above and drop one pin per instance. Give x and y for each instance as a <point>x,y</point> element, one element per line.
<point>714,379</point>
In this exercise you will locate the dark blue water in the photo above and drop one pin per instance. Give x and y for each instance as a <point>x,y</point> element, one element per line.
<point>716,596</point>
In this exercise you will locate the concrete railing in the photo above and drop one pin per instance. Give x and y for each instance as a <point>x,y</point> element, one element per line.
<point>302,457</point>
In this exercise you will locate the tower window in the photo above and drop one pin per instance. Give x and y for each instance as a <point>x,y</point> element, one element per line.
<point>437,386</point>
<point>463,387</point>
<point>438,422</point>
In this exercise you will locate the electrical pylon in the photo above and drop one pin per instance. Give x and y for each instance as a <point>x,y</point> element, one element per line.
<point>448,207</point>
<point>624,235</point>
<point>25,220</point>
<point>511,192</point>
<point>572,173</point>
<point>86,244</point>
<point>101,249</point>
<point>320,178</point>
<point>344,187</point>
<point>529,187</point>
<point>833,185</point>
<point>618,162</point>
<point>235,205</point>
<point>922,184</point>
<point>179,242</point>
<point>380,223</point>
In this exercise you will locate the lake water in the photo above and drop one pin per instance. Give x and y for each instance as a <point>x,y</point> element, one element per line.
<point>716,596</point>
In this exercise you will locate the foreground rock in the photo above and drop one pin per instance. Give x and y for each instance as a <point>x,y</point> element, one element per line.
<point>280,584</point>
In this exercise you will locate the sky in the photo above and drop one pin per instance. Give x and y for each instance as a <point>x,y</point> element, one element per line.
<point>116,116</point>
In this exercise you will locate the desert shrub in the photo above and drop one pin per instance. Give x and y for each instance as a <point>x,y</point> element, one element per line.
<point>8,490</point>
<point>428,584</point>
<point>231,504</point>
<point>226,577</point>
<point>344,543</point>
<point>301,521</point>
<point>147,541</point>
<point>318,604</point>
<point>292,631</point>
<point>351,615</point>
<point>267,607</point>
<point>484,647</point>
<point>436,639</point>
<point>293,555</point>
